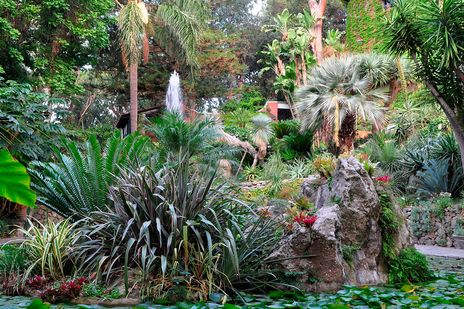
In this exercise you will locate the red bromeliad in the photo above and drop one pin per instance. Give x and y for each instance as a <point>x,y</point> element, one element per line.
<point>384,179</point>
<point>305,219</point>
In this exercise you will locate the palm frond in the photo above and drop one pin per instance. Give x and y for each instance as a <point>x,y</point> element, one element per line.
<point>181,22</point>
<point>131,32</point>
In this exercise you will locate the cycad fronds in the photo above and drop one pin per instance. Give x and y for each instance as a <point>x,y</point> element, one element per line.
<point>79,182</point>
<point>198,139</point>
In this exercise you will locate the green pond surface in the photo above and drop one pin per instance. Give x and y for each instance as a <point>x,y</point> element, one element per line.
<point>447,291</point>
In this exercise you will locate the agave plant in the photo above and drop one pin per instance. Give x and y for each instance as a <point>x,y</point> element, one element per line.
<point>79,182</point>
<point>172,222</point>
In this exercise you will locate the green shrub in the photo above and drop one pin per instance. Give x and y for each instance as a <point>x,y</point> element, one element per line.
<point>49,247</point>
<point>94,290</point>
<point>4,228</point>
<point>13,259</point>
<point>325,165</point>
<point>459,227</point>
<point>389,224</point>
<point>348,252</point>
<point>250,99</point>
<point>409,266</point>
<point>442,202</point>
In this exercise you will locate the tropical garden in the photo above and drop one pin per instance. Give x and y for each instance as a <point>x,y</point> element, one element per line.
<point>231,154</point>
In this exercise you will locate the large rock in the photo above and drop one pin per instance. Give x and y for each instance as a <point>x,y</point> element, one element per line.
<point>344,246</point>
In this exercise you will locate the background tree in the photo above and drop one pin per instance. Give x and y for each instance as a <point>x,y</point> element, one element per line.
<point>317,8</point>
<point>178,24</point>
<point>48,42</point>
<point>432,34</point>
<point>132,20</point>
<point>364,25</point>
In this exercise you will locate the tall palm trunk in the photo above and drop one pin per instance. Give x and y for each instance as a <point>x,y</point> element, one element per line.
<point>133,83</point>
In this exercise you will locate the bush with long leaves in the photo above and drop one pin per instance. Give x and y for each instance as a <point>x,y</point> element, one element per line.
<point>80,179</point>
<point>176,222</point>
<point>49,247</point>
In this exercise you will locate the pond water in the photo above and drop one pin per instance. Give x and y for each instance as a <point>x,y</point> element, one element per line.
<point>445,292</point>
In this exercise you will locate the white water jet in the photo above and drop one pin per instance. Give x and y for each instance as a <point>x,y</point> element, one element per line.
<point>174,101</point>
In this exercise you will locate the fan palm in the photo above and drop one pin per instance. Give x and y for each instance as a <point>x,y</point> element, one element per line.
<point>262,133</point>
<point>339,91</point>
<point>80,181</point>
<point>179,24</point>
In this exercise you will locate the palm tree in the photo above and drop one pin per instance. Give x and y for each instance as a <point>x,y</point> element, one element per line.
<point>179,24</point>
<point>339,91</point>
<point>262,133</point>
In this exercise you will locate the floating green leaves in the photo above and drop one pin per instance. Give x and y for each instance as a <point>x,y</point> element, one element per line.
<point>446,292</point>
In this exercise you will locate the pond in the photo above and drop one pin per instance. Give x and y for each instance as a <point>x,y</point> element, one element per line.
<point>447,291</point>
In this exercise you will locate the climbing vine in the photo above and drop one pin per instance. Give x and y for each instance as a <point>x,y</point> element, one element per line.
<point>364,25</point>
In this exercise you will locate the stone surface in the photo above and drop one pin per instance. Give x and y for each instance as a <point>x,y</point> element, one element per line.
<point>439,230</point>
<point>345,243</point>
<point>440,251</point>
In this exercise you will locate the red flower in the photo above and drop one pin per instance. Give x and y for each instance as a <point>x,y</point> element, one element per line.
<point>302,218</point>
<point>384,178</point>
<point>309,220</point>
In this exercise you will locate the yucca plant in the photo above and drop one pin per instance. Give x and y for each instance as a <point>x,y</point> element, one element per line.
<point>164,222</point>
<point>79,181</point>
<point>49,247</point>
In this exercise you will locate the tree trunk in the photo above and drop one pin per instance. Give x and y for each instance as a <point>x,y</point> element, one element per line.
<point>303,67</point>
<point>347,133</point>
<point>133,83</point>
<point>318,11</point>
<point>458,129</point>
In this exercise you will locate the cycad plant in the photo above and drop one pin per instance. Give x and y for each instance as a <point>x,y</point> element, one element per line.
<point>339,92</point>
<point>80,179</point>
<point>195,140</point>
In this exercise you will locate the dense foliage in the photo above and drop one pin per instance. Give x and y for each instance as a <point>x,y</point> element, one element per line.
<point>193,203</point>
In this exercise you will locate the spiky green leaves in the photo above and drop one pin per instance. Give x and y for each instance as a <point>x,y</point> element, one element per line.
<point>14,181</point>
<point>79,181</point>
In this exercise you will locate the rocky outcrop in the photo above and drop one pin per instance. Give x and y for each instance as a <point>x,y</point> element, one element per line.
<point>344,245</point>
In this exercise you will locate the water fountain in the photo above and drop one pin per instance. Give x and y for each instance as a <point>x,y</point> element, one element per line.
<point>174,101</point>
